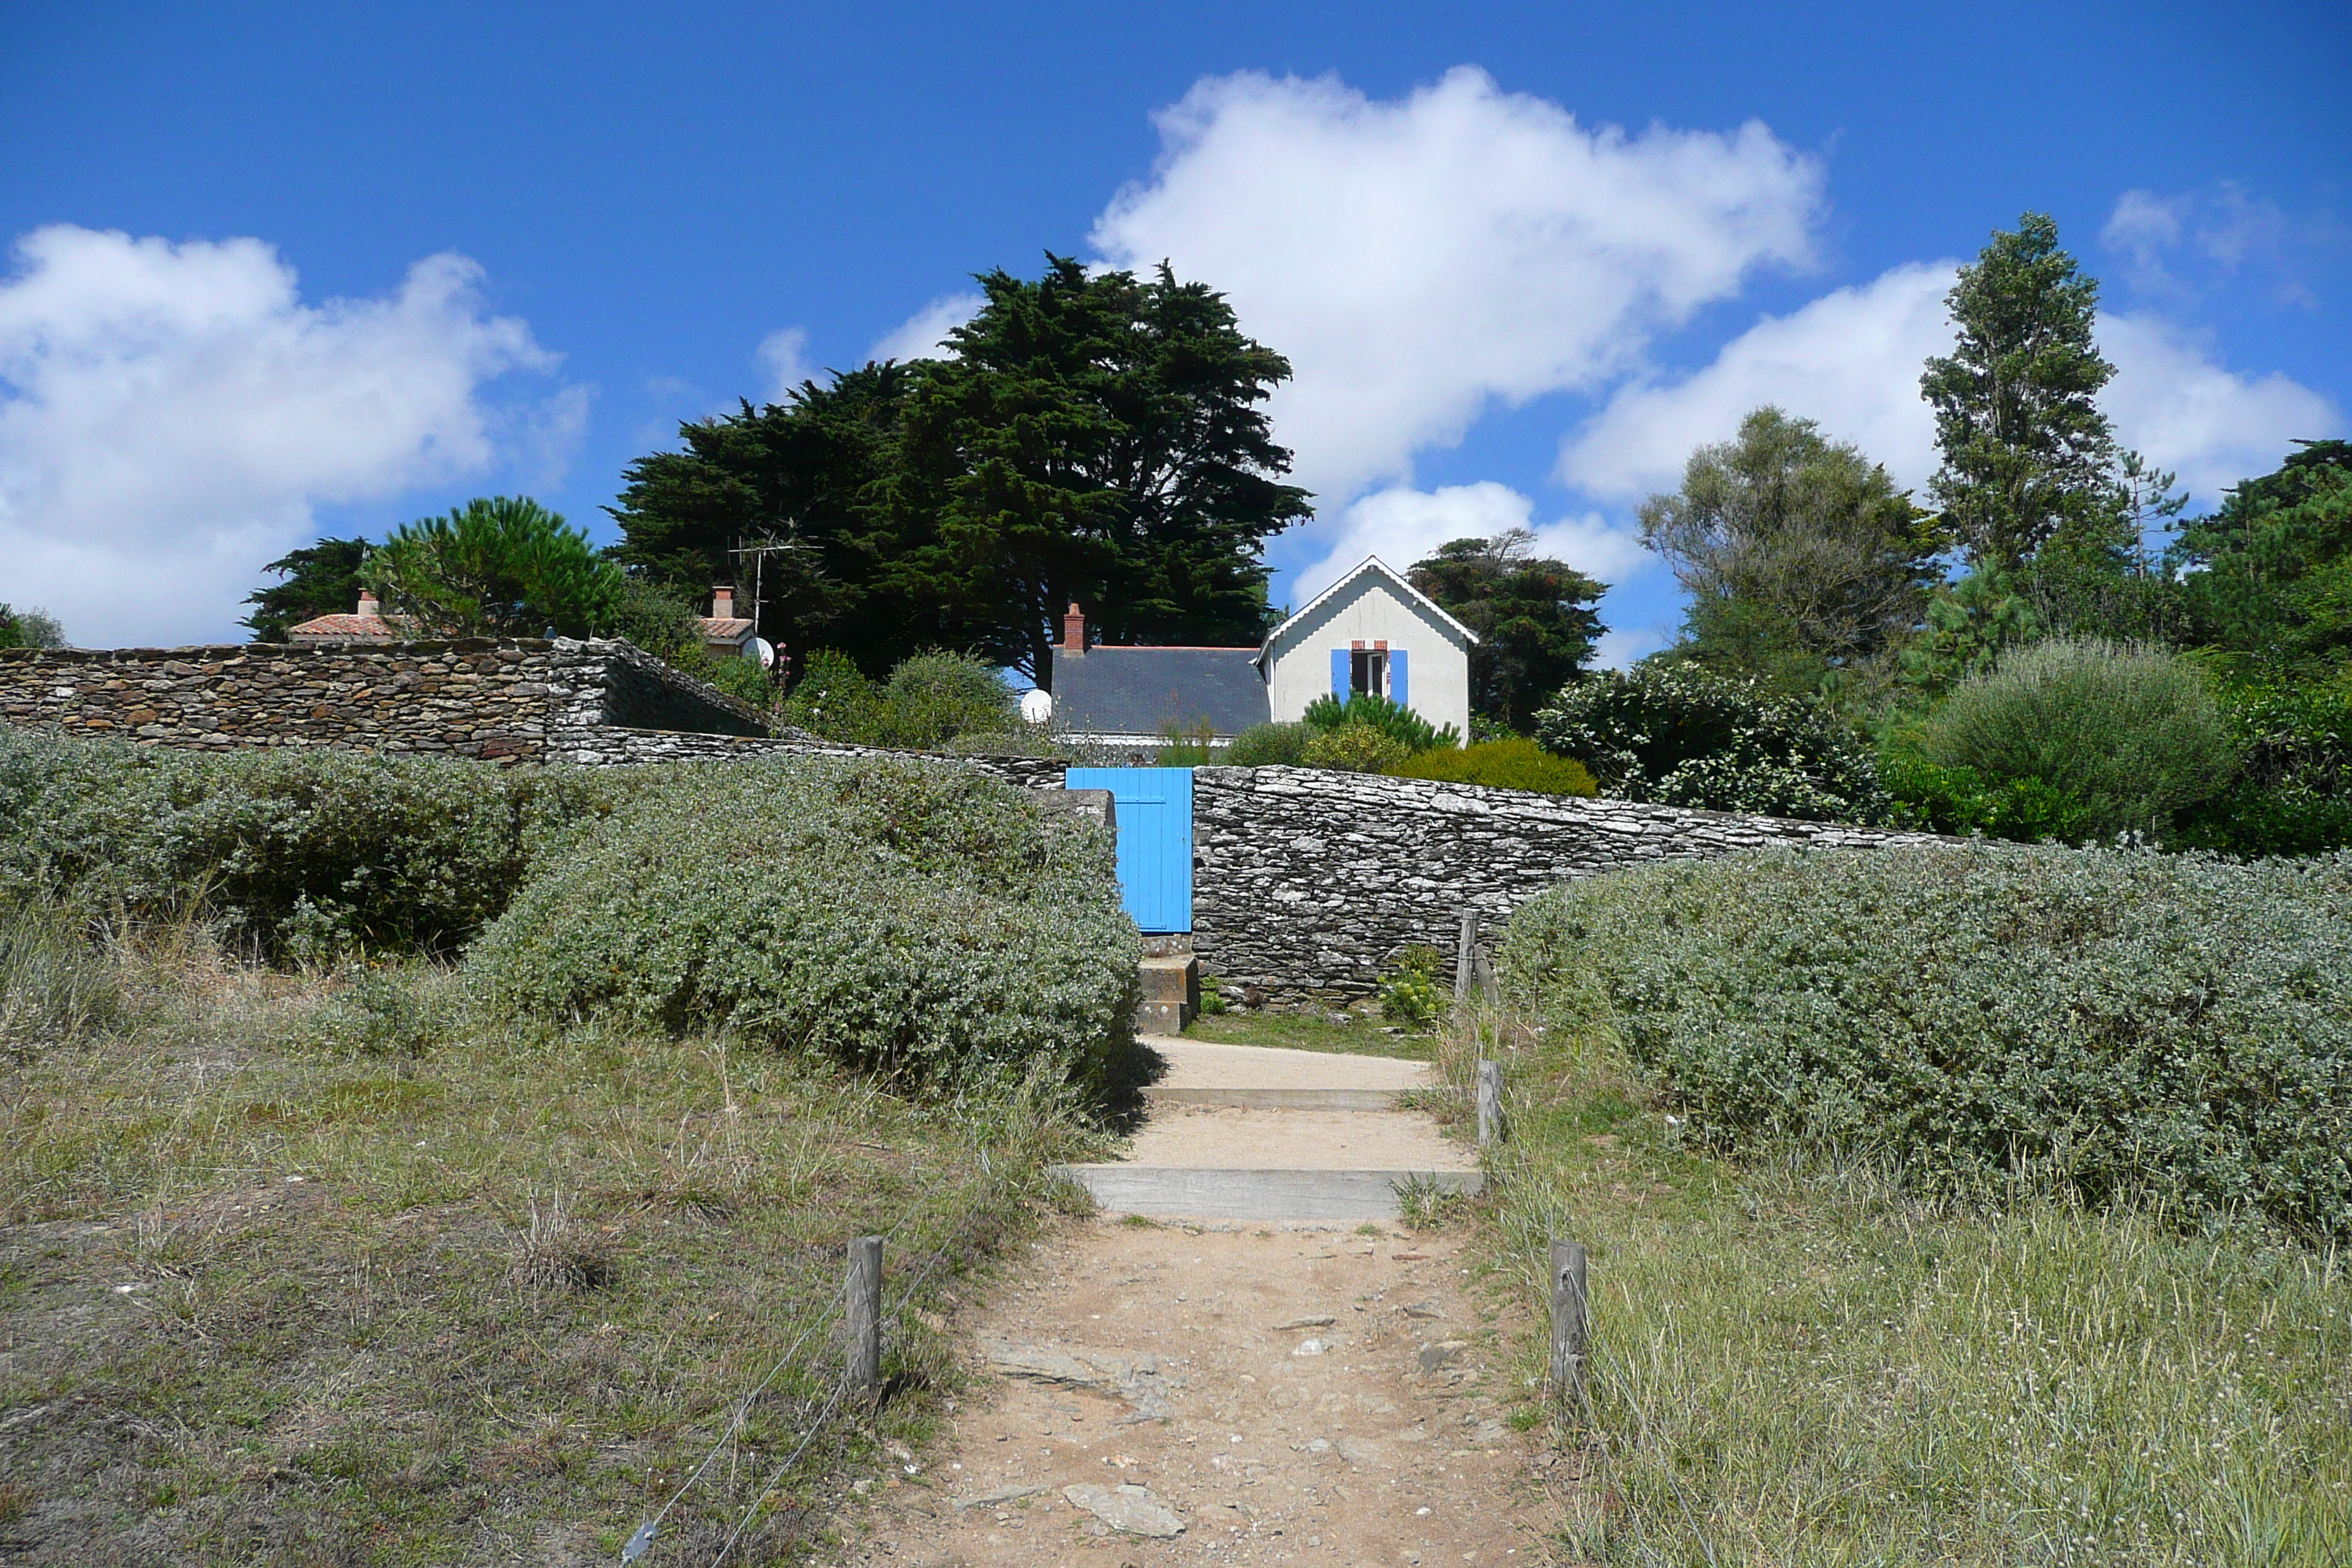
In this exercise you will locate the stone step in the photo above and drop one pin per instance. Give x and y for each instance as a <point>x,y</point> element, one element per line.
<point>1172,993</point>
<point>1265,1098</point>
<point>1201,1192</point>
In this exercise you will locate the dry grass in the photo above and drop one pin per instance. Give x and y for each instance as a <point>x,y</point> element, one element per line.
<point>309,1269</point>
<point>1801,1363</point>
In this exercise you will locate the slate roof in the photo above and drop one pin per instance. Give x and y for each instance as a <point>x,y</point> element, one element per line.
<point>1147,690</point>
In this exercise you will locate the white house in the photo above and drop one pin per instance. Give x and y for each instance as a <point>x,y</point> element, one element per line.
<point>1372,631</point>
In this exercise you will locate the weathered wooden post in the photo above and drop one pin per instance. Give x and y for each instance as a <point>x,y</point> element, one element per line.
<point>865,1314</point>
<point>1571,1322</point>
<point>1490,1103</point>
<point>1462,957</point>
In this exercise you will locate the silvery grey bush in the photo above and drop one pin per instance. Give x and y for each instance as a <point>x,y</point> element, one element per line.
<point>2169,1027</point>
<point>912,918</point>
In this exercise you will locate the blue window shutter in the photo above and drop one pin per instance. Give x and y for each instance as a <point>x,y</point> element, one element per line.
<point>1339,674</point>
<point>1399,692</point>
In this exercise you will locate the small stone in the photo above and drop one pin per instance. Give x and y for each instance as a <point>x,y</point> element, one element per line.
<point>1321,1323</point>
<point>1444,1353</point>
<point>1310,1347</point>
<point>1421,1310</point>
<point>1128,1508</point>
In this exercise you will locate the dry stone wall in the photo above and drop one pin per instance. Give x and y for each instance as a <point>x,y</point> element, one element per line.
<point>1308,884</point>
<point>523,701</point>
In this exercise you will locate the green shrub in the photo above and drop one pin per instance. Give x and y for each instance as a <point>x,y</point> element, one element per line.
<point>1677,735</point>
<point>916,921</point>
<point>1400,724</point>
<point>2121,1022</point>
<point>1270,745</point>
<point>929,700</point>
<point>1511,763</point>
<point>1354,748</point>
<point>2133,734</point>
<point>1182,747</point>
<point>2293,792</point>
<point>1413,995</point>
<point>1961,801</point>
<point>304,853</point>
<point>666,624</point>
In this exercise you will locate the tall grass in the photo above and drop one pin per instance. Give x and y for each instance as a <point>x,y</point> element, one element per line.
<point>1796,1361</point>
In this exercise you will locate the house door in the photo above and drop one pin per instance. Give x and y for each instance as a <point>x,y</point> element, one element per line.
<point>1154,808</point>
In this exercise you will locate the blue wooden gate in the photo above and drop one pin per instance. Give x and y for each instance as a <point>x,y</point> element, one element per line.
<point>1154,808</point>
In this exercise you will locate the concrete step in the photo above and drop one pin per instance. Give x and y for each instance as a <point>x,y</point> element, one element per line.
<point>1267,1098</point>
<point>1201,1192</point>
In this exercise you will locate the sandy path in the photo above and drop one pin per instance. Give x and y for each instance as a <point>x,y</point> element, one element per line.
<point>1237,1391</point>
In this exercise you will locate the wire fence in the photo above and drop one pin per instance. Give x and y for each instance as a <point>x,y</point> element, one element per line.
<point>773,1521</point>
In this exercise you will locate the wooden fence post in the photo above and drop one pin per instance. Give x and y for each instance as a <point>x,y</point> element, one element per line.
<point>865,1314</point>
<point>1463,959</point>
<point>1490,1103</point>
<point>1571,1322</point>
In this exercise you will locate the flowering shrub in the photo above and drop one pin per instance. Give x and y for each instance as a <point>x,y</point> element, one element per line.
<point>914,919</point>
<point>1677,735</point>
<point>1413,995</point>
<point>2166,1026</point>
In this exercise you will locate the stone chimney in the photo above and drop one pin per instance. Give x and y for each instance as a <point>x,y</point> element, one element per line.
<point>722,603</point>
<point>1074,632</point>
<point>368,610</point>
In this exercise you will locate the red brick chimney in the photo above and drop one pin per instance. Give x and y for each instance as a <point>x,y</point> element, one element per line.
<point>1074,631</point>
<point>722,603</point>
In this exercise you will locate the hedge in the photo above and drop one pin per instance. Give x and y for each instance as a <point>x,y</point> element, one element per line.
<point>2175,1028</point>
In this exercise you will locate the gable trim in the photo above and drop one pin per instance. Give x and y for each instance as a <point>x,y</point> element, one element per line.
<point>1370,563</point>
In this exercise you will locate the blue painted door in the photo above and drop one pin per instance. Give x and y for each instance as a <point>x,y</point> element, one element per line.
<point>1154,813</point>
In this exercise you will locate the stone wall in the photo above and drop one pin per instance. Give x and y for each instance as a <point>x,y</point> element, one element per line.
<point>1308,884</point>
<point>523,700</point>
<point>603,746</point>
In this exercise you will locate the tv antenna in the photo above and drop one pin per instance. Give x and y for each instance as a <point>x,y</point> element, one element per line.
<point>758,553</point>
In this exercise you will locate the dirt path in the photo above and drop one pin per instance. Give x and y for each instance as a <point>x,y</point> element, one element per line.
<point>1207,1389</point>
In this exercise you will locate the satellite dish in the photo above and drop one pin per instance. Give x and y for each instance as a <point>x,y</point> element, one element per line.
<point>1036,707</point>
<point>761,650</point>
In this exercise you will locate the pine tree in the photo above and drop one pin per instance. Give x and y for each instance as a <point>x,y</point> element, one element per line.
<point>2026,450</point>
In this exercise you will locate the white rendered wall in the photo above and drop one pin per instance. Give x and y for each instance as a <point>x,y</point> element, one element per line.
<point>1368,610</point>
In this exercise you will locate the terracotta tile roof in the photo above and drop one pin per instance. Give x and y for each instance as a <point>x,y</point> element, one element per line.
<point>726,628</point>
<point>355,629</point>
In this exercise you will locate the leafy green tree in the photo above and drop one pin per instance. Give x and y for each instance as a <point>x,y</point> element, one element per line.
<point>2026,451</point>
<point>930,701</point>
<point>2268,575</point>
<point>1098,438</point>
<point>1534,616</point>
<point>29,628</point>
<point>1800,554</point>
<point>502,566</point>
<point>321,579</point>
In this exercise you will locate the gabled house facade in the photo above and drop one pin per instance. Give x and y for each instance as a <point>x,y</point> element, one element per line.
<point>1370,631</point>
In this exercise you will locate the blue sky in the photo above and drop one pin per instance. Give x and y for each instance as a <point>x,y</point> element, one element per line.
<point>283,269</point>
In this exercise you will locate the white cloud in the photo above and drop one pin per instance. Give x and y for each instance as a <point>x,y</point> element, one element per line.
<point>1419,259</point>
<point>1621,648</point>
<point>171,414</point>
<point>1851,359</point>
<point>785,356</point>
<point>2221,232</point>
<point>2172,400</point>
<point>918,337</point>
<point>1401,526</point>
